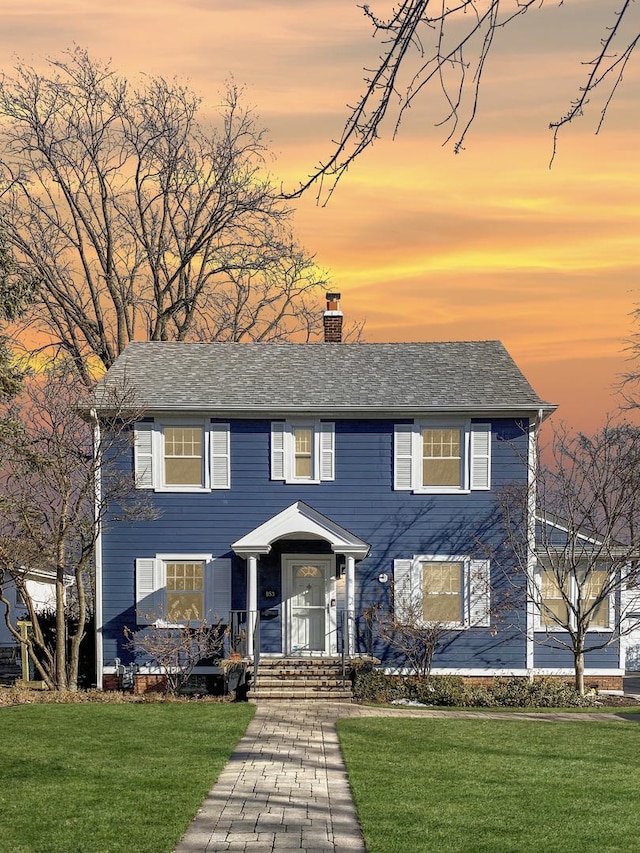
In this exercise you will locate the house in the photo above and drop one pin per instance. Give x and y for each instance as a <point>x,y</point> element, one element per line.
<point>40,587</point>
<point>300,487</point>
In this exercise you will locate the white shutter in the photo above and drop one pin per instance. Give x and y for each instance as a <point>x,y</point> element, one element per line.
<point>143,455</point>
<point>278,444</point>
<point>402,457</point>
<point>479,594</point>
<point>480,456</point>
<point>220,456</point>
<point>327,451</point>
<point>218,590</point>
<point>407,591</point>
<point>149,591</point>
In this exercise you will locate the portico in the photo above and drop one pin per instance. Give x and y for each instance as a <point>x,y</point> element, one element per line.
<point>310,604</point>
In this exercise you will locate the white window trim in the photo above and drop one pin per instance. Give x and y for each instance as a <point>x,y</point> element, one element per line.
<point>214,586</point>
<point>468,603</point>
<point>559,629</point>
<point>322,457</point>
<point>149,461</point>
<point>408,456</point>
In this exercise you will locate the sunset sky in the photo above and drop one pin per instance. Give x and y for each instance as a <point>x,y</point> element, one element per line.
<point>422,243</point>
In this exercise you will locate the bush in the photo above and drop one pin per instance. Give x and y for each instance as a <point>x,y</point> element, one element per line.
<point>542,693</point>
<point>374,685</point>
<point>24,696</point>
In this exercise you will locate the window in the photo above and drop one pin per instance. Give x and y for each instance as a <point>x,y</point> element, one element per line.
<point>593,590</point>
<point>435,589</point>
<point>178,589</point>
<point>555,606</point>
<point>185,591</point>
<point>559,592</point>
<point>442,456</point>
<point>182,457</point>
<point>302,451</point>
<point>442,592</point>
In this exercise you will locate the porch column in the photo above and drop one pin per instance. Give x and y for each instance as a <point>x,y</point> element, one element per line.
<point>350,602</point>
<point>252,599</point>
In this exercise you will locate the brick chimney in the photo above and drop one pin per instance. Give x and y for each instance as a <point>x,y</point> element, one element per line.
<point>332,318</point>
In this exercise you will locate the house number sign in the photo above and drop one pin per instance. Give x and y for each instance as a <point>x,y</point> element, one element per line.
<point>269,593</point>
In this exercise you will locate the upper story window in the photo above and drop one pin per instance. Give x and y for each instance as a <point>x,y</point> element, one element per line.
<point>442,457</point>
<point>439,456</point>
<point>302,451</point>
<point>178,456</point>
<point>183,456</point>
<point>441,590</point>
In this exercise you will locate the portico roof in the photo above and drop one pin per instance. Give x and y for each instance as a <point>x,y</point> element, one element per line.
<point>300,519</point>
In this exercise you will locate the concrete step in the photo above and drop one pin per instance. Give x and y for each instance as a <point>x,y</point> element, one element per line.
<point>300,678</point>
<point>293,693</point>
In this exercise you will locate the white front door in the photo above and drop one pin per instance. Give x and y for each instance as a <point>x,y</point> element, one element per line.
<point>310,611</point>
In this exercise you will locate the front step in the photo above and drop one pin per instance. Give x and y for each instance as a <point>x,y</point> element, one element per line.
<point>300,678</point>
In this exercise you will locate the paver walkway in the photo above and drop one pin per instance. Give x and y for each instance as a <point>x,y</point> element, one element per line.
<point>286,788</point>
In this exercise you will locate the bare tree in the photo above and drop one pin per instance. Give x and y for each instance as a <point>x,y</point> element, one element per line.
<point>430,43</point>
<point>127,218</point>
<point>586,550</point>
<point>177,649</point>
<point>59,483</point>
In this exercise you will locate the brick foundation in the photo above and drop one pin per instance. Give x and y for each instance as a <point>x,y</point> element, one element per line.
<point>595,682</point>
<point>111,682</point>
<point>149,684</point>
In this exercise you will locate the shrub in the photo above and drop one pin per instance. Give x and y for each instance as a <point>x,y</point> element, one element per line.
<point>374,685</point>
<point>541,693</point>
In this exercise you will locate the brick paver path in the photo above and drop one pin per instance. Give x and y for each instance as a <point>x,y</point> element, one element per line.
<point>285,787</point>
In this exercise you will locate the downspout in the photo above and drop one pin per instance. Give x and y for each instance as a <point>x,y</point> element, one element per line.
<point>98,547</point>
<point>532,463</point>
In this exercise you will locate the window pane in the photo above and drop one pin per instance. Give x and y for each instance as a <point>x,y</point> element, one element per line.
<point>592,592</point>
<point>442,592</point>
<point>183,456</point>
<point>185,591</point>
<point>441,457</point>
<point>555,609</point>
<point>303,437</point>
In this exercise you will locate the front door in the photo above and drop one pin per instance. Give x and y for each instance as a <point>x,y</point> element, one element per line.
<point>310,611</point>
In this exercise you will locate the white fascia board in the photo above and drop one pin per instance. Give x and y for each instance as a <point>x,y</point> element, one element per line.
<point>331,411</point>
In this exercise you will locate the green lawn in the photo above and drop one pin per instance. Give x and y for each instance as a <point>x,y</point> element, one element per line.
<point>109,778</point>
<point>493,786</point>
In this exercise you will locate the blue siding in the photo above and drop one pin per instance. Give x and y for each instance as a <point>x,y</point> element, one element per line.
<point>361,498</point>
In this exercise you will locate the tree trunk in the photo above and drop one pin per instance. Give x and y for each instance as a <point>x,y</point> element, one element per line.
<point>578,658</point>
<point>61,634</point>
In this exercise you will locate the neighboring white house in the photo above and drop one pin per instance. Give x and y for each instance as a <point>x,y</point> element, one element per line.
<point>631,641</point>
<point>40,585</point>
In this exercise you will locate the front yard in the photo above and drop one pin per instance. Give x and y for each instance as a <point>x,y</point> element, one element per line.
<point>493,786</point>
<point>109,778</point>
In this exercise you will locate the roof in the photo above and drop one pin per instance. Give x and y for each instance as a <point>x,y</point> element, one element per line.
<point>260,377</point>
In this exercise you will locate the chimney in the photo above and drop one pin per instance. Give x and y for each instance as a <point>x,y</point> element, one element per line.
<point>332,318</point>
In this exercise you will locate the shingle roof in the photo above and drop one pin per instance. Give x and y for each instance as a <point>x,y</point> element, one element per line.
<point>462,375</point>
